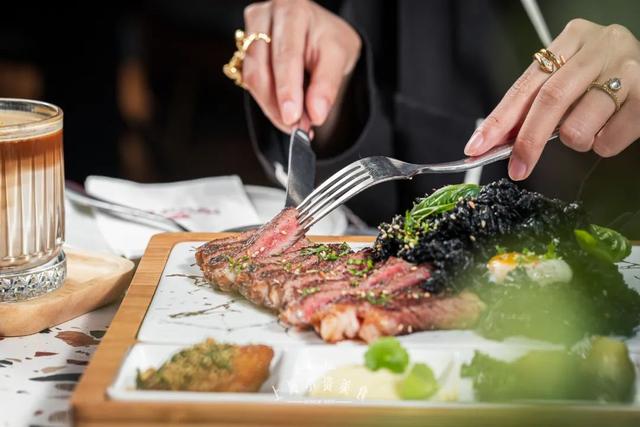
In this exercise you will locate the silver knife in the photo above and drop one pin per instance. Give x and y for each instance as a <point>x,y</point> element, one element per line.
<point>302,168</point>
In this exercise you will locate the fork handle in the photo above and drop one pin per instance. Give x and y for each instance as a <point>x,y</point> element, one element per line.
<point>495,154</point>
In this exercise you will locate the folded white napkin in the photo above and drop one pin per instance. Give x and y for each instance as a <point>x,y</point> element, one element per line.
<point>208,204</point>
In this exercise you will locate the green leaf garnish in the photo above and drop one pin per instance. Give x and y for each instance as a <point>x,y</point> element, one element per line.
<point>386,352</point>
<point>419,384</point>
<point>442,200</point>
<point>603,243</point>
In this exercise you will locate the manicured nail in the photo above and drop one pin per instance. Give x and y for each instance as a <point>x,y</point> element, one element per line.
<point>474,144</point>
<point>321,107</point>
<point>517,169</point>
<point>289,112</point>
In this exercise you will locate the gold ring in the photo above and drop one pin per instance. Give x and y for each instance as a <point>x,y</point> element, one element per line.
<point>549,62</point>
<point>233,68</point>
<point>610,87</point>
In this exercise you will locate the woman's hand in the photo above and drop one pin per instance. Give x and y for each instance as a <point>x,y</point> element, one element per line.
<point>304,37</point>
<point>538,102</point>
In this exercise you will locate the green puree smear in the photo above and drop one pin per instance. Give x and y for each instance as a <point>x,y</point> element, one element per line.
<point>603,372</point>
<point>387,353</point>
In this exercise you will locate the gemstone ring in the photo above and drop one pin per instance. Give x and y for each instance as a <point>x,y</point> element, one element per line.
<point>610,87</point>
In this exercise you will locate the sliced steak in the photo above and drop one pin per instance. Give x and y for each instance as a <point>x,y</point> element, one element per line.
<point>341,294</point>
<point>276,236</point>
<point>389,274</point>
<point>409,314</point>
<point>264,285</point>
<point>212,248</point>
<point>344,270</point>
<point>273,238</point>
<point>411,311</point>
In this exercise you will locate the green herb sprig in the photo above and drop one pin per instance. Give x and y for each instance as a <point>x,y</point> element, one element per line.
<point>443,200</point>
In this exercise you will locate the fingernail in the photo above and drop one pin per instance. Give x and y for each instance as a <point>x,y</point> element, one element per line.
<point>321,107</point>
<point>517,169</point>
<point>289,112</point>
<point>474,144</point>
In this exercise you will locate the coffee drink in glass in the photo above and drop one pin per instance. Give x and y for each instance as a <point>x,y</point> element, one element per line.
<point>31,199</point>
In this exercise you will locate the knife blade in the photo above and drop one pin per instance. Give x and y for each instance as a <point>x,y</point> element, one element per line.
<point>302,168</point>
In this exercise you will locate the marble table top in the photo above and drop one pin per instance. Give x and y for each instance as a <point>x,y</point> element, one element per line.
<point>39,372</point>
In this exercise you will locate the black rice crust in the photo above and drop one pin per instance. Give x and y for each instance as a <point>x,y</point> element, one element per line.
<point>502,214</point>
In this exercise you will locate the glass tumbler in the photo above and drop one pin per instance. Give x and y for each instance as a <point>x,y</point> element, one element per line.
<point>31,199</point>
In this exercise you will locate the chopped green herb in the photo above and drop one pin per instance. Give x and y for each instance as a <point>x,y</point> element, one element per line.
<point>365,264</point>
<point>377,299</point>
<point>327,253</point>
<point>309,291</point>
<point>239,265</point>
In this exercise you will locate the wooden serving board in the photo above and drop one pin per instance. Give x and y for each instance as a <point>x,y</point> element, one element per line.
<point>92,407</point>
<point>93,280</point>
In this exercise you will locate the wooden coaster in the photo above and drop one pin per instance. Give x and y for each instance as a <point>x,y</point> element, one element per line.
<point>93,280</point>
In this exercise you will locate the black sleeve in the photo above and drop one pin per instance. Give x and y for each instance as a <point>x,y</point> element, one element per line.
<point>369,128</point>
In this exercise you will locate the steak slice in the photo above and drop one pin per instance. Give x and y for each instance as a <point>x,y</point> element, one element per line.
<point>273,238</point>
<point>311,305</point>
<point>276,236</point>
<point>212,248</point>
<point>408,313</point>
<point>306,284</point>
<point>411,311</point>
<point>261,282</point>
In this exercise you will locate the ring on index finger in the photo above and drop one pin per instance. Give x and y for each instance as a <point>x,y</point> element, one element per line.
<point>233,68</point>
<point>549,62</point>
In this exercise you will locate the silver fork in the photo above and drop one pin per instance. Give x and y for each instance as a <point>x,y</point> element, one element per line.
<point>370,171</point>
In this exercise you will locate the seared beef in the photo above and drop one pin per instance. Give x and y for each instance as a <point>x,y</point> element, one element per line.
<point>221,262</point>
<point>328,287</point>
<point>416,310</point>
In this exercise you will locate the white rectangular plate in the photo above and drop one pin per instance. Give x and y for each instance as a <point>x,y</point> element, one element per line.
<point>294,370</point>
<point>186,310</point>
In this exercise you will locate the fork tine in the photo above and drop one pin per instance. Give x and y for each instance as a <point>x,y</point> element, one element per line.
<point>328,197</point>
<point>321,213</point>
<point>319,196</point>
<point>330,181</point>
